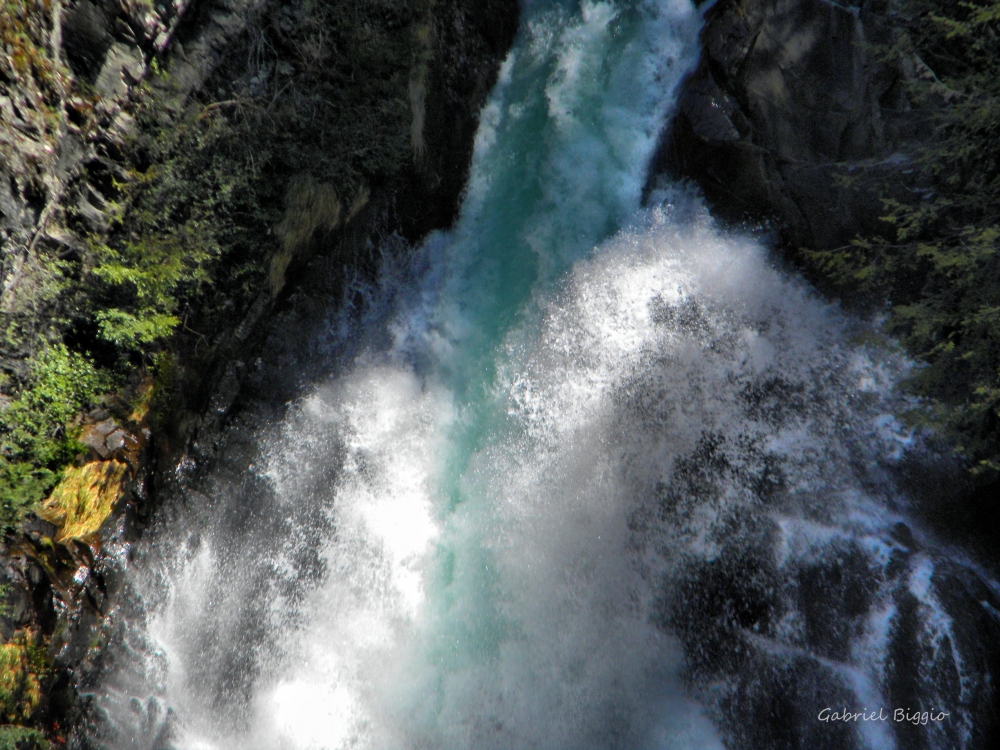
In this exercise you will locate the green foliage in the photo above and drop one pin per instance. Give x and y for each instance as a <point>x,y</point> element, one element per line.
<point>34,425</point>
<point>143,281</point>
<point>22,738</point>
<point>22,486</point>
<point>128,331</point>
<point>192,248</point>
<point>35,434</point>
<point>939,262</point>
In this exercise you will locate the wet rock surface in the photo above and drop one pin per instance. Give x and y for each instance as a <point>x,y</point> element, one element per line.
<point>774,635</point>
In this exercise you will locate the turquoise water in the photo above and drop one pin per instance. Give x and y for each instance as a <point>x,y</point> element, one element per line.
<point>559,166</point>
<point>560,162</point>
<point>479,535</point>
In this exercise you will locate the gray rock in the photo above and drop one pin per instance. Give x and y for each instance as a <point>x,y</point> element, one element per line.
<point>33,523</point>
<point>98,414</point>
<point>123,67</point>
<point>787,97</point>
<point>93,215</point>
<point>115,441</point>
<point>711,111</point>
<point>105,427</point>
<point>96,443</point>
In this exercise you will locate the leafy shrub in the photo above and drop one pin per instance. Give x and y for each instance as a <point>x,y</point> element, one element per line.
<point>35,428</point>
<point>22,738</point>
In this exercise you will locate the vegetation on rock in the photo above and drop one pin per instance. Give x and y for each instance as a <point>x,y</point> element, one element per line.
<point>24,661</point>
<point>210,201</point>
<point>937,263</point>
<point>36,426</point>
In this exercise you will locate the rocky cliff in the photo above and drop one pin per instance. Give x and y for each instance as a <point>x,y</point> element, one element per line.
<point>788,97</point>
<point>173,177</point>
<point>861,133</point>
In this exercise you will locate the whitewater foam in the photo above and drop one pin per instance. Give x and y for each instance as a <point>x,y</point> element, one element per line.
<point>585,482</point>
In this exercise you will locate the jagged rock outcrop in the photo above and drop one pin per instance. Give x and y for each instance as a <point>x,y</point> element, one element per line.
<point>789,97</point>
<point>70,68</point>
<point>67,90</point>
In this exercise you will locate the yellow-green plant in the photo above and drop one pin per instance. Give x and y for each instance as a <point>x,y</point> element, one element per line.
<point>24,663</point>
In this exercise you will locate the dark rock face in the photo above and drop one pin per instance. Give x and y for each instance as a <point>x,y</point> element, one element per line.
<point>790,99</point>
<point>788,96</point>
<point>464,44</point>
<point>57,190</point>
<point>87,38</point>
<point>770,645</point>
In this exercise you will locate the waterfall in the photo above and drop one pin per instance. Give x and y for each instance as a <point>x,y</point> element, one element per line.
<point>582,473</point>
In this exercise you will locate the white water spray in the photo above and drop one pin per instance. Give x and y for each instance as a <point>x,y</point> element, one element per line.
<point>605,444</point>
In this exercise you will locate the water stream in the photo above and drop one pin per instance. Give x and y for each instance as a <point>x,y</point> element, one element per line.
<point>582,473</point>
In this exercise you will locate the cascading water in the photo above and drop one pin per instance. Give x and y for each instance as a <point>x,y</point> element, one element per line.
<point>583,475</point>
